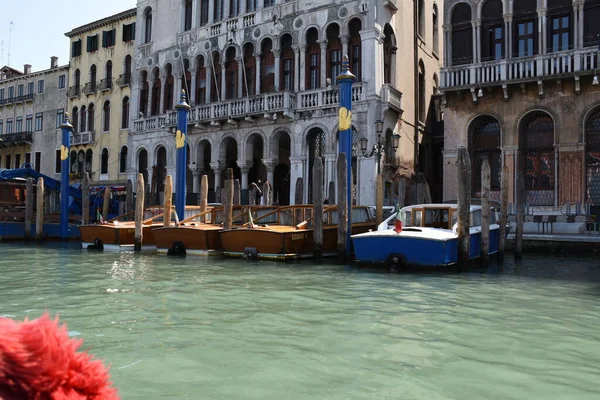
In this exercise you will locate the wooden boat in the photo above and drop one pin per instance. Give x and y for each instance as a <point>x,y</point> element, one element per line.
<point>119,233</point>
<point>427,238</point>
<point>200,234</point>
<point>287,233</point>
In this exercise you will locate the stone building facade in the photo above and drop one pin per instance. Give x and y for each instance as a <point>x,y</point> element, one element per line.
<point>31,106</point>
<point>520,87</point>
<point>99,96</point>
<point>261,77</point>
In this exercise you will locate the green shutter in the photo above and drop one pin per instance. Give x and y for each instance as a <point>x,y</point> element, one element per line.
<point>133,31</point>
<point>89,44</point>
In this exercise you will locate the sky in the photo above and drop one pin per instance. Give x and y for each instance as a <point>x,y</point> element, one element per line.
<point>39,27</point>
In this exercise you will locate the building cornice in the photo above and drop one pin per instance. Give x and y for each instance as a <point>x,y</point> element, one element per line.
<point>102,22</point>
<point>25,77</point>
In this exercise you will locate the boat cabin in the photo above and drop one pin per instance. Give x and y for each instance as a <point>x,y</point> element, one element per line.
<point>443,216</point>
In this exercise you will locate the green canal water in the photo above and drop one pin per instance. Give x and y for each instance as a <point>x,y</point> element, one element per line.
<point>227,329</point>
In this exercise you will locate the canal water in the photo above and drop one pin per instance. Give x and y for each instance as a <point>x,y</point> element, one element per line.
<point>228,329</point>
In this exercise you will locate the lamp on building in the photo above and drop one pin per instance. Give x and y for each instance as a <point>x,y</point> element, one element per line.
<point>378,148</point>
<point>480,92</point>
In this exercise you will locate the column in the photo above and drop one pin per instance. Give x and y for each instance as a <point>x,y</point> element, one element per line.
<point>478,43</point>
<point>296,67</point>
<point>302,68</point>
<point>245,171</point>
<point>296,171</point>
<point>270,165</point>
<point>163,80</point>
<point>344,39</point>
<point>277,54</point>
<point>242,7</point>
<point>323,64</point>
<point>257,55</point>
<point>225,9</point>
<point>148,110</point>
<point>223,87</point>
<point>192,93</point>
<point>508,35</point>
<point>209,80</point>
<point>216,167</point>
<point>211,11</point>
<point>196,178</point>
<point>579,25</point>
<point>240,74</point>
<point>177,90</point>
<point>195,14</point>
<point>542,31</point>
<point>447,46</point>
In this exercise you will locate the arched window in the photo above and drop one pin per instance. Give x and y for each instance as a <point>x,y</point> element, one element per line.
<point>75,119</point>
<point>435,28</point>
<point>313,59</point>
<point>536,157</point>
<point>73,162</point>
<point>187,17</point>
<point>249,88</point>
<point>125,113</point>
<point>492,31</point>
<point>77,78</point>
<point>525,28</point>
<point>104,161</point>
<point>231,77</point>
<point>389,54</point>
<point>334,53</point>
<point>80,162</point>
<point>83,119</point>
<point>168,91</point>
<point>462,35</point>
<point>89,154</point>
<point>592,159</point>
<point>560,25</point>
<point>234,7</point>
<point>106,120</point>
<point>144,92</point>
<point>155,92</point>
<point>90,117</point>
<point>127,68</point>
<point>200,80</point>
<point>355,50</point>
<point>187,79</point>
<point>123,160</point>
<point>267,66</point>
<point>204,12</point>
<point>421,16</point>
<point>422,100</point>
<point>286,73</point>
<point>107,84</point>
<point>148,25</point>
<point>484,142</point>
<point>93,77</point>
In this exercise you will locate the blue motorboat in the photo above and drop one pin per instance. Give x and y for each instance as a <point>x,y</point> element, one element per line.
<point>428,237</point>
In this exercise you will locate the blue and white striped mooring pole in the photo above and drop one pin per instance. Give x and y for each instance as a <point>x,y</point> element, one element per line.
<point>66,129</point>
<point>345,80</point>
<point>183,109</point>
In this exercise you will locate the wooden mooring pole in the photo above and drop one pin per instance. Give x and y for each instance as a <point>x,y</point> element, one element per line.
<point>139,212</point>
<point>342,201</point>
<point>228,200</point>
<point>204,195</point>
<point>318,200</point>
<point>28,207</point>
<point>39,210</point>
<point>168,201</point>
<point>378,200</point>
<point>503,214</point>
<point>463,165</point>
<point>106,203</point>
<point>85,199</point>
<point>486,176</point>
<point>520,216</point>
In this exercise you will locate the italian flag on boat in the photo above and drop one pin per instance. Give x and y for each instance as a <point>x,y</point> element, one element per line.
<point>398,222</point>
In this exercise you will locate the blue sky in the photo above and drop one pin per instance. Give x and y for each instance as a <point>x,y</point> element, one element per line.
<point>39,26</point>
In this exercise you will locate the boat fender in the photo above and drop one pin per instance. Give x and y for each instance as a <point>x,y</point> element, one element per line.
<point>177,249</point>
<point>250,253</point>
<point>98,245</point>
<point>396,262</point>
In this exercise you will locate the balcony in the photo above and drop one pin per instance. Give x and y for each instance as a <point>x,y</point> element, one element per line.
<point>83,138</point>
<point>106,85</point>
<point>264,105</point>
<point>74,91</point>
<point>391,98</point>
<point>90,88</point>
<point>517,70</point>
<point>27,98</point>
<point>124,80</point>
<point>16,139</point>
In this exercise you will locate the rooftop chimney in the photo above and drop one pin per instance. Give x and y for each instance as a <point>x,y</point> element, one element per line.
<point>53,62</point>
<point>27,69</point>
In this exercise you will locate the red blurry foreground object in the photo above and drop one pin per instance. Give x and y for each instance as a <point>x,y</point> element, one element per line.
<point>398,226</point>
<point>39,361</point>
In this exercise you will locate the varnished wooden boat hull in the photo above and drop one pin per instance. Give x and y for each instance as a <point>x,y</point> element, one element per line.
<point>115,237</point>
<point>283,242</point>
<point>201,239</point>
